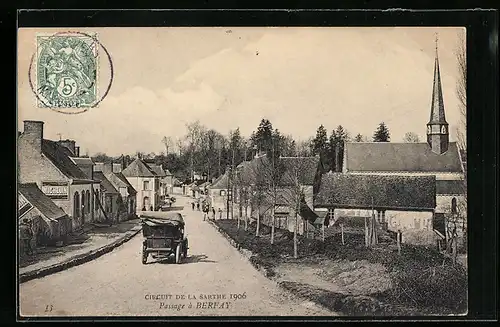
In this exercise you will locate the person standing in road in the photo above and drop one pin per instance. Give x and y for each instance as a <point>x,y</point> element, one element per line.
<point>192,205</point>
<point>198,205</point>
<point>26,235</point>
<point>213,213</point>
<point>220,213</point>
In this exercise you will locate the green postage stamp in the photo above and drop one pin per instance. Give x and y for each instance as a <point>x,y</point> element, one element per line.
<point>67,67</point>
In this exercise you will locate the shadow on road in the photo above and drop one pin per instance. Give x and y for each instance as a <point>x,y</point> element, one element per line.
<point>189,259</point>
<point>198,258</point>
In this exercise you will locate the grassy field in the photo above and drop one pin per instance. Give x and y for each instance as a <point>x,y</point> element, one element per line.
<point>357,280</point>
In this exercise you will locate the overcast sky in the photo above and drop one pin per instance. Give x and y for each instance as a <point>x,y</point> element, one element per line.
<point>298,78</point>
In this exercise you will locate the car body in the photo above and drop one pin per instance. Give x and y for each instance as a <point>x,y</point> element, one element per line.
<point>164,235</point>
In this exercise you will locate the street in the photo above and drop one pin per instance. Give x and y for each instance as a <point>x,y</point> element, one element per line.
<point>214,280</point>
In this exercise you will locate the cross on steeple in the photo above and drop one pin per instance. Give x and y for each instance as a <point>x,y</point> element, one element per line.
<point>436,41</point>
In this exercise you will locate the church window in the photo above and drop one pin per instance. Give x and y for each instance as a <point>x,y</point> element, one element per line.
<point>443,129</point>
<point>454,205</point>
<point>428,129</point>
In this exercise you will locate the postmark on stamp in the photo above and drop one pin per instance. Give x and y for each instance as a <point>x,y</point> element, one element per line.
<point>67,71</point>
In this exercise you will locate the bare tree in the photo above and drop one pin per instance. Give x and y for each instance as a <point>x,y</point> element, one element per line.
<point>167,141</point>
<point>293,191</point>
<point>461,89</point>
<point>411,137</point>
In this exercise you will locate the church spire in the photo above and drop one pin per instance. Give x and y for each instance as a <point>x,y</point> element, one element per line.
<point>437,104</point>
<point>437,128</point>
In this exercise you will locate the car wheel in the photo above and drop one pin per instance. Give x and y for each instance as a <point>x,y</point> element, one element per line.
<point>178,252</point>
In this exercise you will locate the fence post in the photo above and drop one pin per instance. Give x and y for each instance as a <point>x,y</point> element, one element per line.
<point>399,241</point>
<point>342,231</point>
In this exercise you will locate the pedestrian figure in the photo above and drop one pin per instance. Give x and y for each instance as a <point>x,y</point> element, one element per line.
<point>198,206</point>
<point>213,213</point>
<point>220,213</point>
<point>192,205</point>
<point>151,208</point>
<point>26,235</point>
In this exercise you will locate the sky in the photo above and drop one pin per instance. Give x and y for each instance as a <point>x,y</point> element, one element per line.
<point>298,78</point>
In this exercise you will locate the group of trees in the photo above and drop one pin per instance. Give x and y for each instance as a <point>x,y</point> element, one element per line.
<point>209,152</point>
<point>331,148</point>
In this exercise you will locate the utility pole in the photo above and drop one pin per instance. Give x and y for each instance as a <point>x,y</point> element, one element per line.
<point>60,136</point>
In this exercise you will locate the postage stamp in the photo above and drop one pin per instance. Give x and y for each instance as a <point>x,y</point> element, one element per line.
<point>67,70</point>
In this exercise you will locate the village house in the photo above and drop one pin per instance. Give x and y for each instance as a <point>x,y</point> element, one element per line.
<point>122,193</point>
<point>145,181</point>
<point>49,223</point>
<point>399,203</point>
<point>177,186</point>
<point>167,182</point>
<point>87,166</point>
<point>48,164</point>
<point>437,157</point>
<point>109,195</point>
<point>296,186</point>
<point>218,194</point>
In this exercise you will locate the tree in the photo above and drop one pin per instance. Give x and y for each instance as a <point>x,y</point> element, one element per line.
<point>167,142</point>
<point>358,138</point>
<point>336,145</point>
<point>304,147</point>
<point>461,90</point>
<point>411,137</point>
<point>102,157</point>
<point>382,133</point>
<point>319,144</point>
<point>293,192</point>
<point>261,139</point>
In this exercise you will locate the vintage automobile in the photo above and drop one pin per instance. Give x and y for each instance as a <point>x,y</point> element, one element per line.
<point>164,236</point>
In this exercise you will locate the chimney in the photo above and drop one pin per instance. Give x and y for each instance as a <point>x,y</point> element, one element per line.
<point>117,168</point>
<point>107,167</point>
<point>68,144</point>
<point>33,133</point>
<point>77,151</point>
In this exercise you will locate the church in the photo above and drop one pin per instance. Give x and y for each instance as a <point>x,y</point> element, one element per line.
<point>437,157</point>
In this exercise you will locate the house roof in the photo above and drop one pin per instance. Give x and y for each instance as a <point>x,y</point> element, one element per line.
<point>118,180</point>
<point>400,157</point>
<point>60,157</point>
<point>389,192</point>
<point>108,186</point>
<point>82,161</point>
<point>157,170</point>
<point>220,182</point>
<point>40,201</point>
<point>306,167</point>
<point>450,187</point>
<point>138,168</point>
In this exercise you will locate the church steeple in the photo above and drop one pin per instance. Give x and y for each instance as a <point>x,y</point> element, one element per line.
<point>437,127</point>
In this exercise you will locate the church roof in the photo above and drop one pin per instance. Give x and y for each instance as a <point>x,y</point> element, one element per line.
<point>388,192</point>
<point>400,157</point>
<point>450,187</point>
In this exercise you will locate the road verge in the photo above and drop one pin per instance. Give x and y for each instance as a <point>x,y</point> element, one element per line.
<point>78,259</point>
<point>266,271</point>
